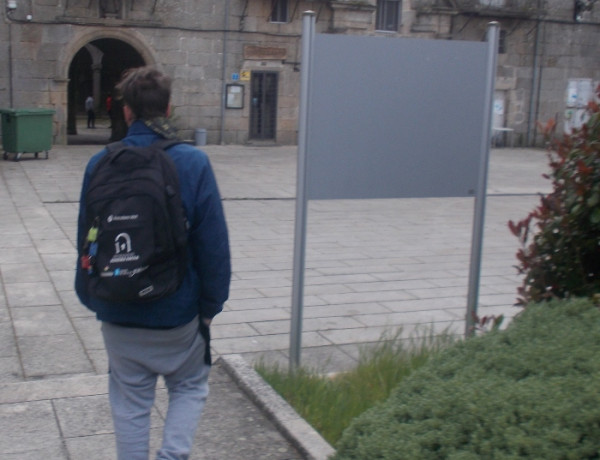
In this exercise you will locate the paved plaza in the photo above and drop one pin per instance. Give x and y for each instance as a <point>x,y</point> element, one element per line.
<point>372,267</point>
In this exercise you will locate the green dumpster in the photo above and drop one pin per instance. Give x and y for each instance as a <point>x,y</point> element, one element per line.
<point>26,131</point>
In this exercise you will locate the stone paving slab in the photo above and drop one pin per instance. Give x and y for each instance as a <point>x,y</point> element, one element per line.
<point>69,418</point>
<point>372,266</point>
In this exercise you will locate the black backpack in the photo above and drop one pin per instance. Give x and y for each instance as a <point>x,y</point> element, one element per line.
<point>135,247</point>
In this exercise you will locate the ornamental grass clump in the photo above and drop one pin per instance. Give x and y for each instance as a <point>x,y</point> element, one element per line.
<point>560,253</point>
<point>330,402</point>
<point>530,391</point>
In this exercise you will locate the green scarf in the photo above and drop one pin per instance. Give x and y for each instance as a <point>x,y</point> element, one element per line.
<point>162,126</point>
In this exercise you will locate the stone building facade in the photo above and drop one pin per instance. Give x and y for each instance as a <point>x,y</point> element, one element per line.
<point>547,46</point>
<point>235,63</point>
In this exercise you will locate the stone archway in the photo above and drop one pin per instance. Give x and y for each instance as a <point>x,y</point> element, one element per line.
<point>93,63</point>
<point>94,71</point>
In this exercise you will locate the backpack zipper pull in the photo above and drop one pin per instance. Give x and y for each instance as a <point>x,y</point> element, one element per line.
<point>85,263</point>
<point>90,248</point>
<point>93,231</point>
<point>93,250</point>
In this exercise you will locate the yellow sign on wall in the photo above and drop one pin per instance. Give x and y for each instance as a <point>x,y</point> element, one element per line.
<point>245,75</point>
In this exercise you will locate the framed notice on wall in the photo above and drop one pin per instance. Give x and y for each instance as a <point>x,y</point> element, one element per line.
<point>235,96</point>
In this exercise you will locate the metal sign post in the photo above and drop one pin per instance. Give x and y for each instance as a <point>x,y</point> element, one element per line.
<point>479,214</point>
<point>308,33</point>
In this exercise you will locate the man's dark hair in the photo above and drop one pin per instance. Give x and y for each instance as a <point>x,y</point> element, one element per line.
<point>146,91</point>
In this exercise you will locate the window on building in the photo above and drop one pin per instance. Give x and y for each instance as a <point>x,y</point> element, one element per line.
<point>388,15</point>
<point>502,42</point>
<point>110,8</point>
<point>279,11</point>
<point>493,3</point>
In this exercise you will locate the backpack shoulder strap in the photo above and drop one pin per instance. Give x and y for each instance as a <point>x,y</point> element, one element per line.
<point>114,146</point>
<point>114,149</point>
<point>164,144</point>
<point>111,149</point>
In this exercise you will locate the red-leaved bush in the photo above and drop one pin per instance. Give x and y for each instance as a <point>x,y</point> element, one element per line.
<point>560,238</point>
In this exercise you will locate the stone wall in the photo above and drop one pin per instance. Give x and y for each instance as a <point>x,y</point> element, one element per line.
<point>185,39</point>
<point>544,49</point>
<point>191,41</point>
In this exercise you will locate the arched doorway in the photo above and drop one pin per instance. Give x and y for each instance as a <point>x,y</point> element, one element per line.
<point>94,70</point>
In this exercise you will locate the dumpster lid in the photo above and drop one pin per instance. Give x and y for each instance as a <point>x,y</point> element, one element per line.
<point>28,111</point>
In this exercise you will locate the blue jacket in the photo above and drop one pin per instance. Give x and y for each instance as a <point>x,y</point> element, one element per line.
<point>206,285</point>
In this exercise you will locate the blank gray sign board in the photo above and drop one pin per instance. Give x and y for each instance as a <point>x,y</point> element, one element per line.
<point>394,118</point>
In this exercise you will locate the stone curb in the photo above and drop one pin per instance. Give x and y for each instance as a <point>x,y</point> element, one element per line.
<point>286,419</point>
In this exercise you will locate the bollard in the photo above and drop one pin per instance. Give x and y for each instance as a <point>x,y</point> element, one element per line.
<point>200,136</point>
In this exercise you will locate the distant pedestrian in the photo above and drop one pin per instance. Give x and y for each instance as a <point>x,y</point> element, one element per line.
<point>118,129</point>
<point>168,336</point>
<point>91,114</point>
<point>109,105</point>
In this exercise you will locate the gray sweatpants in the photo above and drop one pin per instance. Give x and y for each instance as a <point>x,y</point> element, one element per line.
<point>136,358</point>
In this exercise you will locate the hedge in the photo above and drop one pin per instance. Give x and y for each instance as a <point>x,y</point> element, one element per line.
<point>530,391</point>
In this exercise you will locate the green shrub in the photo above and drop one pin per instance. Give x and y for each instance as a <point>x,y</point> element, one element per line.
<point>530,391</point>
<point>562,258</point>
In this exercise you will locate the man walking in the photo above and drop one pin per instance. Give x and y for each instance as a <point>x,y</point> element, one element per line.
<point>160,337</point>
<point>91,114</point>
